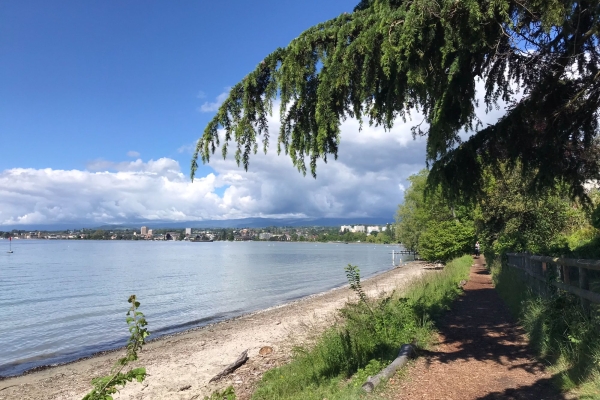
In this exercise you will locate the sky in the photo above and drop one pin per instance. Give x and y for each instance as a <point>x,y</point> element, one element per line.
<point>101,103</point>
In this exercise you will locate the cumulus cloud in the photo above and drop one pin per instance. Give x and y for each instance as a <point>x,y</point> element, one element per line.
<point>368,179</point>
<point>363,182</point>
<point>133,154</point>
<point>155,190</point>
<point>214,106</point>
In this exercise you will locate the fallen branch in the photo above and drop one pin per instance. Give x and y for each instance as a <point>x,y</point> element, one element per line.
<point>231,367</point>
<point>406,352</point>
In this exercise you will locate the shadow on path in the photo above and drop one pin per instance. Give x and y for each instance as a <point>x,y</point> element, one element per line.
<point>482,353</point>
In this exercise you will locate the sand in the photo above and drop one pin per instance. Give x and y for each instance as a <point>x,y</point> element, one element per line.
<point>180,366</point>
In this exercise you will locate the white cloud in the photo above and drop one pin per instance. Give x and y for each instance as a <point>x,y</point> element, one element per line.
<point>156,190</point>
<point>187,148</point>
<point>212,107</point>
<point>368,179</point>
<point>201,95</point>
<point>133,154</point>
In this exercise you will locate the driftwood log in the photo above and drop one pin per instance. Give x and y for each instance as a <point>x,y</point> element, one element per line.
<point>406,352</point>
<point>231,367</point>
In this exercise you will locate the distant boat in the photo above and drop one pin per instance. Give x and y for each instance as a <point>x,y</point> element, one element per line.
<point>9,244</point>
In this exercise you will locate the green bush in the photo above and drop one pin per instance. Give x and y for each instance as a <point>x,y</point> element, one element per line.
<point>446,240</point>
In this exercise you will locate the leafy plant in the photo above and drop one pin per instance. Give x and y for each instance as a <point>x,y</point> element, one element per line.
<point>227,394</point>
<point>106,386</point>
<point>446,240</point>
<point>353,275</point>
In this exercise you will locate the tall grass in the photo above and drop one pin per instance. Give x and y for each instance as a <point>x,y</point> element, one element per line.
<point>366,341</point>
<point>558,330</point>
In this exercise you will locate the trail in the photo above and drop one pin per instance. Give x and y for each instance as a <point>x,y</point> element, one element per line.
<point>481,354</point>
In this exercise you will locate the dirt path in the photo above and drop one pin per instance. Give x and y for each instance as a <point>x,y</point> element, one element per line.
<point>482,354</point>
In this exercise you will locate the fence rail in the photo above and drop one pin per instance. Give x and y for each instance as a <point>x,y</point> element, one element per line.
<point>560,273</point>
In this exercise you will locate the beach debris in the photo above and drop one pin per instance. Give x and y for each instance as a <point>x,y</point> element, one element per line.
<point>434,265</point>
<point>462,283</point>
<point>265,351</point>
<point>186,387</point>
<point>231,367</point>
<point>406,351</point>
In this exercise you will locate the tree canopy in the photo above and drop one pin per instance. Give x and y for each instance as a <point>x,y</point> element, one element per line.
<point>391,57</point>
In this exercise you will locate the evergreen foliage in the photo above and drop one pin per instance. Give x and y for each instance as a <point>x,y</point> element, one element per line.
<point>389,57</point>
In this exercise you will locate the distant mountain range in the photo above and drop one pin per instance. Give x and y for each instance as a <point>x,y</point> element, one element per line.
<point>226,223</point>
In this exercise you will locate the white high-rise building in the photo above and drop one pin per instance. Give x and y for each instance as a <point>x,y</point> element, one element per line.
<point>188,231</point>
<point>144,230</point>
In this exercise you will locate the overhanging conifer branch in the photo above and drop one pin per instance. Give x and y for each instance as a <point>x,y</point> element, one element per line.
<point>391,56</point>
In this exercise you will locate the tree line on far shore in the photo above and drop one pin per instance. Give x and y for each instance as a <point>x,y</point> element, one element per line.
<point>506,217</point>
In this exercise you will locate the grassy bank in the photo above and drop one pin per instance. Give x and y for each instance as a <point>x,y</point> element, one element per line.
<point>558,330</point>
<point>366,341</point>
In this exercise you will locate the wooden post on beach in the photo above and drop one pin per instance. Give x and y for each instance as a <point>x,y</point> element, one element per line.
<point>393,258</point>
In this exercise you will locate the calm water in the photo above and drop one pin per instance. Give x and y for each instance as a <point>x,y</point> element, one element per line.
<point>62,300</point>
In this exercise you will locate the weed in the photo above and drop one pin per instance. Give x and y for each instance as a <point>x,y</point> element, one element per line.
<point>106,386</point>
<point>226,394</point>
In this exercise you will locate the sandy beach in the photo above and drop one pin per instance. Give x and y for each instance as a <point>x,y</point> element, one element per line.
<point>180,366</point>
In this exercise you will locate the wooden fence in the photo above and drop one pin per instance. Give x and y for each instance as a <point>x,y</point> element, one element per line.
<point>571,275</point>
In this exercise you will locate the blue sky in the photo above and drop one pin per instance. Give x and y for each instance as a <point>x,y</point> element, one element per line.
<point>83,80</point>
<point>101,103</point>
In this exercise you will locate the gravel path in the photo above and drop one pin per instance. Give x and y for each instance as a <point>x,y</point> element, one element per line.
<point>481,354</point>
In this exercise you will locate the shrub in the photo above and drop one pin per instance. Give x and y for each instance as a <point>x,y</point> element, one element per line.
<point>446,240</point>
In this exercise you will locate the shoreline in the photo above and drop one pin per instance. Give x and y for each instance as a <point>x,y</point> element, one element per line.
<point>166,336</point>
<point>180,364</point>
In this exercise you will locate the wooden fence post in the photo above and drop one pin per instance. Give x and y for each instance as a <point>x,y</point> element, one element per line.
<point>584,283</point>
<point>566,275</point>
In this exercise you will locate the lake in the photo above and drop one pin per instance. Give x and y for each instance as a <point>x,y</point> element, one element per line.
<point>63,300</point>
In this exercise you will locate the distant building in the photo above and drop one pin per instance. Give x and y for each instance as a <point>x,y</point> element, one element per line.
<point>373,229</point>
<point>188,231</point>
<point>346,228</point>
<point>149,232</point>
<point>144,231</point>
<point>265,236</point>
<point>358,228</point>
